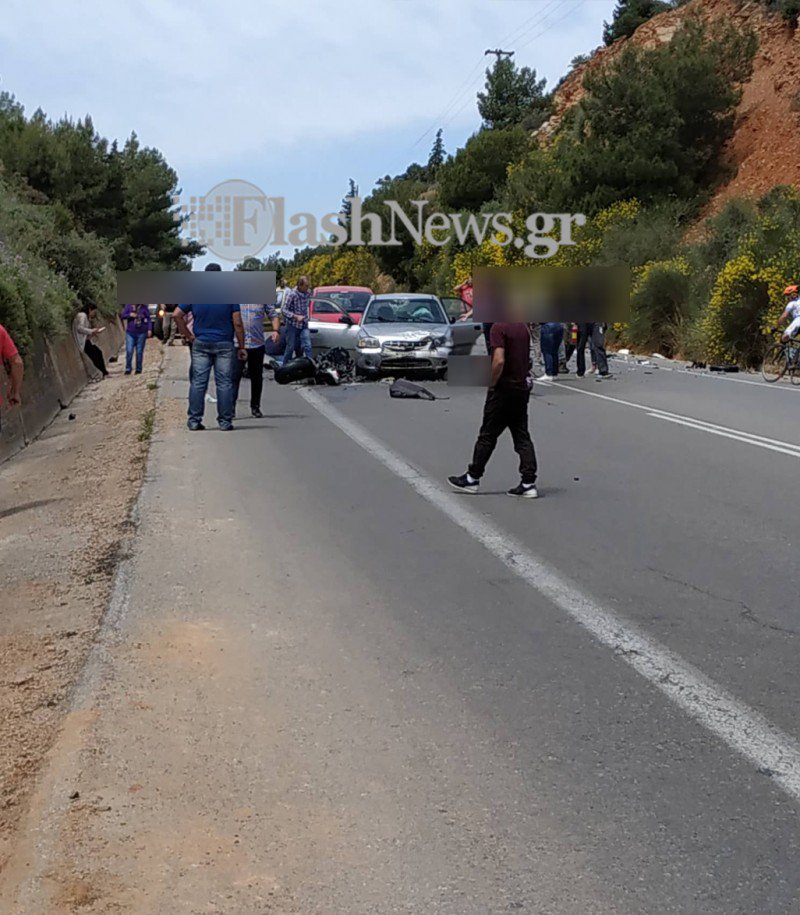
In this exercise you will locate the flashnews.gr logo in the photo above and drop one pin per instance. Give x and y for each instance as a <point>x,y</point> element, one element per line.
<point>236,219</point>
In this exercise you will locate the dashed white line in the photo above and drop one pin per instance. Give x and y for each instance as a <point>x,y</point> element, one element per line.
<point>740,727</point>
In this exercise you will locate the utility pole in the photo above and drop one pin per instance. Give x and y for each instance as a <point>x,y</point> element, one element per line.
<point>499,54</point>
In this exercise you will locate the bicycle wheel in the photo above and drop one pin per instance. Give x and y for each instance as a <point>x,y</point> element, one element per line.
<point>775,363</point>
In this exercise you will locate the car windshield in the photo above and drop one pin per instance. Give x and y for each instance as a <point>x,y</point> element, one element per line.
<point>348,301</point>
<point>405,311</point>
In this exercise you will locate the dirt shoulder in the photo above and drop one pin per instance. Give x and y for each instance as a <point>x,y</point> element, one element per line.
<point>64,516</point>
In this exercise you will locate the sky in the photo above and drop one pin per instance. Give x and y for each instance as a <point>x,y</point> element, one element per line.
<point>295,97</point>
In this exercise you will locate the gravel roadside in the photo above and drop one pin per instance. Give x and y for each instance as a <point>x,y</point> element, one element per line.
<point>64,519</point>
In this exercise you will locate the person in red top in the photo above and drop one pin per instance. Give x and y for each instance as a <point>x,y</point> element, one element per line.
<point>506,407</point>
<point>12,361</point>
<point>464,292</point>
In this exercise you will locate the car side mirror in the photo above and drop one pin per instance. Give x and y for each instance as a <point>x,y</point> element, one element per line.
<point>452,319</point>
<point>345,319</point>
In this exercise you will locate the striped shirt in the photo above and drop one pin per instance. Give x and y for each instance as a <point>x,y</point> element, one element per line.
<point>253,321</point>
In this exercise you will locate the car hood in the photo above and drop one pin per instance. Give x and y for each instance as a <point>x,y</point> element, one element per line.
<point>400,331</point>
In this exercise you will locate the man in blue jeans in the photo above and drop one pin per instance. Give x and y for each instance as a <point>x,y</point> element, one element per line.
<point>138,327</point>
<point>295,311</point>
<point>210,338</point>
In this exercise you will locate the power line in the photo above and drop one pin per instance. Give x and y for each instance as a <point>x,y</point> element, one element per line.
<point>469,83</point>
<point>559,5</point>
<point>560,19</point>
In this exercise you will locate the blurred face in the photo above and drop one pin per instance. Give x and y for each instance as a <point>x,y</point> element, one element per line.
<point>302,285</point>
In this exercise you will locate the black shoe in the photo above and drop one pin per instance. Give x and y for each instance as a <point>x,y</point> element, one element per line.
<point>196,427</point>
<point>525,490</point>
<point>226,428</point>
<point>127,371</point>
<point>463,483</point>
<point>138,371</point>
<point>257,413</point>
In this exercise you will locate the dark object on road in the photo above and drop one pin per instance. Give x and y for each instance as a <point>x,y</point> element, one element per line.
<point>335,363</point>
<point>112,358</point>
<point>697,365</point>
<point>295,370</point>
<point>408,390</point>
<point>72,416</point>
<point>724,368</point>
<point>327,376</point>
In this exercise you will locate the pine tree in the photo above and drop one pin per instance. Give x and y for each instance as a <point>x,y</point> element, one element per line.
<point>347,208</point>
<point>513,96</point>
<point>437,156</point>
<point>629,15</point>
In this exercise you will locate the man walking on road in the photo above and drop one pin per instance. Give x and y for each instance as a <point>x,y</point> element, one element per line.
<point>213,330</point>
<point>506,407</point>
<point>254,342</point>
<point>295,311</point>
<point>12,362</point>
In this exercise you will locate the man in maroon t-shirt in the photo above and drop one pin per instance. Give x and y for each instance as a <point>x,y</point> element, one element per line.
<point>506,407</point>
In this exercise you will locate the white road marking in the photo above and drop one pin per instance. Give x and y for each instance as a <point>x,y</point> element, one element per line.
<point>750,438</point>
<point>743,729</point>
<point>747,438</point>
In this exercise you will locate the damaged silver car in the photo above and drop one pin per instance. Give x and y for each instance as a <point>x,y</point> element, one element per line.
<point>403,332</point>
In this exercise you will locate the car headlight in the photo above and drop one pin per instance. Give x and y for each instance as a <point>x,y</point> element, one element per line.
<point>368,343</point>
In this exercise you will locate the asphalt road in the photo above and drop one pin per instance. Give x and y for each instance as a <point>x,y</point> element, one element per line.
<point>328,684</point>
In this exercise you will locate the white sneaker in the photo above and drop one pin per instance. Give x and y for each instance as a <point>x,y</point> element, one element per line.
<point>546,378</point>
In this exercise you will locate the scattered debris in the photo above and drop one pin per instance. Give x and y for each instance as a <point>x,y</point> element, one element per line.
<point>71,416</point>
<point>75,795</point>
<point>623,352</point>
<point>335,366</point>
<point>724,368</point>
<point>409,390</point>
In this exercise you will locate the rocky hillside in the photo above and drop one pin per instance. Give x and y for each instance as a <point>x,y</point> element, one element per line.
<point>765,148</point>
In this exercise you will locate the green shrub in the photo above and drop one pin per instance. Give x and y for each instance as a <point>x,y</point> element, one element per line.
<point>661,307</point>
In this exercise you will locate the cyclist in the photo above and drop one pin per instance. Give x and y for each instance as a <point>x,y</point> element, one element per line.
<point>791,314</point>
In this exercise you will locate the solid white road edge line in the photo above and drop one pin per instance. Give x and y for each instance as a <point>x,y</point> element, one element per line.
<point>743,729</point>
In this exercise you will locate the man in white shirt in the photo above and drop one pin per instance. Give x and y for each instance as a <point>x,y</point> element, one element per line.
<point>791,314</point>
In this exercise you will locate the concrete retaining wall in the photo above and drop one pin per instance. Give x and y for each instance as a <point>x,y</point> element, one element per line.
<point>55,372</point>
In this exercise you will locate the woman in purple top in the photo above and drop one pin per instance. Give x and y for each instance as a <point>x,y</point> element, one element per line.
<point>138,327</point>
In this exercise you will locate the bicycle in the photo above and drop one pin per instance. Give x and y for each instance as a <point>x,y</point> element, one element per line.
<point>782,357</point>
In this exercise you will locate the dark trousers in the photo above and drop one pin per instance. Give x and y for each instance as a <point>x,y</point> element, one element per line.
<point>255,372</point>
<point>551,335</point>
<point>96,355</point>
<point>595,332</point>
<point>505,409</point>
